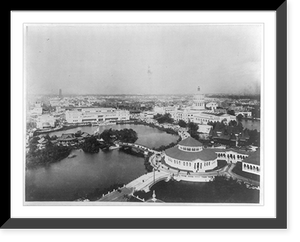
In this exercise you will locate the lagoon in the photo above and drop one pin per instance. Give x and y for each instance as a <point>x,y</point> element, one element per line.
<point>74,178</point>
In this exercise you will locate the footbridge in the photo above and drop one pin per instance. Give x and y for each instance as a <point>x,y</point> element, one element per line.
<point>145,182</point>
<point>142,183</point>
<point>138,146</point>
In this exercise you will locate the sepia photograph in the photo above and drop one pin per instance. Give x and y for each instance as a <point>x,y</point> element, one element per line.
<point>143,114</point>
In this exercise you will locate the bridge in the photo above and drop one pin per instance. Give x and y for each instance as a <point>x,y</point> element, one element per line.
<point>142,183</point>
<point>138,146</point>
<point>162,171</point>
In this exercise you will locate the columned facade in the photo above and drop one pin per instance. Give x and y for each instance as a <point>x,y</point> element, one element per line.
<point>231,156</point>
<point>197,165</point>
<point>189,155</point>
<point>251,168</point>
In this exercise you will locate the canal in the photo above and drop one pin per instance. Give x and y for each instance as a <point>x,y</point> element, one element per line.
<point>74,178</point>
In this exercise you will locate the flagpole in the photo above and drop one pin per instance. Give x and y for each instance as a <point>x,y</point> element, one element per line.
<point>153,176</point>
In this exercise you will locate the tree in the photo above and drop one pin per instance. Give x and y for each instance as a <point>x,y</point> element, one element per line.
<point>232,123</point>
<point>166,118</point>
<point>106,136</point>
<point>231,112</point>
<point>30,125</point>
<point>193,130</point>
<point>182,123</point>
<point>240,127</point>
<point>53,137</point>
<point>126,135</point>
<point>91,145</point>
<point>78,133</point>
<point>239,117</point>
<point>193,127</point>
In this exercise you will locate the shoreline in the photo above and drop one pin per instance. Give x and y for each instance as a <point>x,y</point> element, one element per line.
<point>64,127</point>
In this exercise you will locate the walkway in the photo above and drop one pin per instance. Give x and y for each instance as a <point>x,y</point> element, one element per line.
<point>240,178</point>
<point>138,146</point>
<point>142,183</point>
<point>119,195</point>
<point>164,172</point>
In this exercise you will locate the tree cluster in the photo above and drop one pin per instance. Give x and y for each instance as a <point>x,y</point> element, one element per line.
<point>193,130</point>
<point>42,157</point>
<point>182,123</point>
<point>30,125</point>
<point>147,163</point>
<point>164,118</point>
<point>123,135</point>
<point>90,145</point>
<point>252,136</point>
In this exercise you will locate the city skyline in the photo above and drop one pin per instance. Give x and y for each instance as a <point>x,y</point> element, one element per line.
<point>140,59</point>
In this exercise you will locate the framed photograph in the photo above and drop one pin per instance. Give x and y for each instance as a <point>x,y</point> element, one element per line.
<point>148,119</point>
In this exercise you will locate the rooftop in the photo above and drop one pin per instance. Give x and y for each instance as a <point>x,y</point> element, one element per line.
<point>244,152</point>
<point>253,158</point>
<point>191,142</point>
<point>204,155</point>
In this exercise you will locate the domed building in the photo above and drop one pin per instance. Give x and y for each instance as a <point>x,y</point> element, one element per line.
<point>189,155</point>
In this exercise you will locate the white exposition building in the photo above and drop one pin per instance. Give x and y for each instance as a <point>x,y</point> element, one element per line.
<point>93,115</point>
<point>190,155</point>
<point>197,113</point>
<point>45,121</point>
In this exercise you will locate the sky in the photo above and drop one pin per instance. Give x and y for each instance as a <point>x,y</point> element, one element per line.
<point>142,58</point>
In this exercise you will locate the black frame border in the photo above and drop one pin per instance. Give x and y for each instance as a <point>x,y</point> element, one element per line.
<point>280,222</point>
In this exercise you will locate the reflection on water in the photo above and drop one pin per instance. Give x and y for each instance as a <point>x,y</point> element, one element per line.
<point>148,136</point>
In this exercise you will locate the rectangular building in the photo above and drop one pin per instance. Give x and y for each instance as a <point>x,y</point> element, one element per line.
<point>93,115</point>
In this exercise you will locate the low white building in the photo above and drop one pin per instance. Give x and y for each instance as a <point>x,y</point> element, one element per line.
<point>45,121</point>
<point>54,102</point>
<point>244,113</point>
<point>164,110</point>
<point>147,115</point>
<point>212,105</point>
<point>205,129</point>
<point>93,115</point>
<point>37,109</point>
<point>231,155</point>
<point>252,163</point>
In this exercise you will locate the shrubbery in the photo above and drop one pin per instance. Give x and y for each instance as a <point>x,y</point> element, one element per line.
<point>43,157</point>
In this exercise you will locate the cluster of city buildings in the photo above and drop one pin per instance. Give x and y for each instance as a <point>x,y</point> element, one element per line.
<point>189,155</point>
<point>81,109</point>
<point>199,112</point>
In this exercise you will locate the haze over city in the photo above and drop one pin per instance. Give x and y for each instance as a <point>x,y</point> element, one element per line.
<point>143,58</point>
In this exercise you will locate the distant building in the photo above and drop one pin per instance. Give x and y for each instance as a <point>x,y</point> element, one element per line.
<point>60,93</point>
<point>37,110</point>
<point>93,115</point>
<point>212,106</point>
<point>244,113</point>
<point>205,129</point>
<point>147,115</point>
<point>45,121</point>
<point>196,113</point>
<point>67,137</point>
<point>54,102</point>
